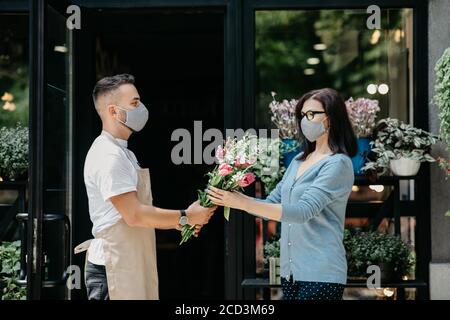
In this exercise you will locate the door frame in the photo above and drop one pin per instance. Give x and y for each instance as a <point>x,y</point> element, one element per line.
<point>233,117</point>
<point>36,216</point>
<point>36,143</point>
<point>420,112</point>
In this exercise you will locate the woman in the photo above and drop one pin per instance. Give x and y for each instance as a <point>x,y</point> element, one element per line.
<point>310,200</point>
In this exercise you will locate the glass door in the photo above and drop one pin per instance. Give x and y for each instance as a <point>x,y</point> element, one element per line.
<point>291,48</point>
<point>46,225</point>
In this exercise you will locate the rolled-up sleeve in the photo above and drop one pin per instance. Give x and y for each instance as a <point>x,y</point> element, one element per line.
<point>334,180</point>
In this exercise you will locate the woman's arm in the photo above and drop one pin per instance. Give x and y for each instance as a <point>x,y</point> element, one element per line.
<point>334,180</point>
<point>236,200</point>
<point>268,208</point>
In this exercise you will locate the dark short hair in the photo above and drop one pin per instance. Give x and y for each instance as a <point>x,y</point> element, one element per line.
<point>109,84</point>
<point>341,137</point>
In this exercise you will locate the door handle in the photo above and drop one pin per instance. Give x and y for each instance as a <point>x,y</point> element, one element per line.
<point>22,218</point>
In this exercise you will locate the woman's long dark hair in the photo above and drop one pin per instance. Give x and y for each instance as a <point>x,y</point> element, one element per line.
<point>341,138</point>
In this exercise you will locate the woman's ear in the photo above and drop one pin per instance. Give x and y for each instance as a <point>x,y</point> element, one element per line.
<point>327,124</point>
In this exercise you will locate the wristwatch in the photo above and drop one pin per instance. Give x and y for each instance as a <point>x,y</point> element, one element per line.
<point>183,218</point>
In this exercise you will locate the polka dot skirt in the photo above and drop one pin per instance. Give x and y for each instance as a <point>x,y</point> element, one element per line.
<point>305,290</point>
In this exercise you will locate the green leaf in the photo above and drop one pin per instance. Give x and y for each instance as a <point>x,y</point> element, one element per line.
<point>226,213</point>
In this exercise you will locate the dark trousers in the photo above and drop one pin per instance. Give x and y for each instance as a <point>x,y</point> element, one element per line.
<point>305,290</point>
<point>96,284</point>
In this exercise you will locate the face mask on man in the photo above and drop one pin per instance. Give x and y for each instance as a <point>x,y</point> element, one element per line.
<point>136,118</point>
<point>312,130</point>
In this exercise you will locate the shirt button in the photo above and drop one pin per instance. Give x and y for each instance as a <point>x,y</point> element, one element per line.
<point>289,224</point>
<point>290,260</point>
<point>289,244</point>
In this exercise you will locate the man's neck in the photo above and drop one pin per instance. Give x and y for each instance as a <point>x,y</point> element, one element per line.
<point>116,132</point>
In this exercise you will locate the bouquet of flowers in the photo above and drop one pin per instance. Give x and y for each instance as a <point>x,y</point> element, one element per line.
<point>362,113</point>
<point>233,172</point>
<point>283,116</point>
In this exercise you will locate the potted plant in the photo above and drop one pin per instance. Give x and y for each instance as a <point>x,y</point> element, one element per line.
<point>400,147</point>
<point>284,118</point>
<point>272,258</point>
<point>362,113</point>
<point>389,252</point>
<point>9,271</point>
<point>13,152</point>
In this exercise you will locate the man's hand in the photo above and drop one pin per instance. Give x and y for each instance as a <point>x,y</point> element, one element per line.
<point>199,215</point>
<point>198,227</point>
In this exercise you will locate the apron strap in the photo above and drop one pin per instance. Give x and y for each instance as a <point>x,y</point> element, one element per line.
<point>82,246</point>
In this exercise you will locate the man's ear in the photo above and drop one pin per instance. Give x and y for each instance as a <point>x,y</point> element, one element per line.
<point>110,109</point>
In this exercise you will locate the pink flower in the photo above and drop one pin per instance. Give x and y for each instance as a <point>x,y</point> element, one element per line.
<point>220,153</point>
<point>240,165</point>
<point>247,180</point>
<point>225,169</point>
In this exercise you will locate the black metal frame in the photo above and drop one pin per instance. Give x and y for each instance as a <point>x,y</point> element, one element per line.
<point>233,107</point>
<point>36,128</point>
<point>19,205</point>
<point>420,96</point>
<point>233,102</point>
<point>239,92</point>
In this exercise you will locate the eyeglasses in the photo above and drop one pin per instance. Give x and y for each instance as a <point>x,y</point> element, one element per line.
<point>310,114</point>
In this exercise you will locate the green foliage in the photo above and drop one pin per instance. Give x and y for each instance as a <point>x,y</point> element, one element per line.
<point>271,250</point>
<point>285,39</point>
<point>269,168</point>
<point>395,139</point>
<point>14,72</point>
<point>442,100</point>
<point>9,271</point>
<point>13,151</point>
<point>442,96</point>
<point>372,248</point>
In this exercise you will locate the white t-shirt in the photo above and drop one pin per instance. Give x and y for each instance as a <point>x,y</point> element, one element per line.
<point>108,172</point>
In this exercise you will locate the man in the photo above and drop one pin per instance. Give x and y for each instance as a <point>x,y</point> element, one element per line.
<point>121,260</point>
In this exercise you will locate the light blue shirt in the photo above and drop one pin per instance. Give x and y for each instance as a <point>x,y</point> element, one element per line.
<point>312,219</point>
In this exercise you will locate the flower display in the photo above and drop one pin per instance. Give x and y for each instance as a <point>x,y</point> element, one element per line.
<point>233,172</point>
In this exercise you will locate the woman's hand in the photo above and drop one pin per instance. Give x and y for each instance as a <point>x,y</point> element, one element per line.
<point>198,227</point>
<point>224,198</point>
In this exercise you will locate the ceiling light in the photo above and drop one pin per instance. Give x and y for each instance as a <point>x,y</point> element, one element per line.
<point>372,88</point>
<point>320,46</point>
<point>313,61</point>
<point>383,88</point>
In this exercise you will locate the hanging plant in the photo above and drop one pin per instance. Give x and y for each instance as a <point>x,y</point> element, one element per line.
<point>442,100</point>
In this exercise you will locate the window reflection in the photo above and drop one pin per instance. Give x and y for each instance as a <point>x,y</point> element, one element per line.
<point>300,50</point>
<point>13,69</point>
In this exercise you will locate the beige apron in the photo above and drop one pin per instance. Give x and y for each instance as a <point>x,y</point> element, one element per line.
<point>130,253</point>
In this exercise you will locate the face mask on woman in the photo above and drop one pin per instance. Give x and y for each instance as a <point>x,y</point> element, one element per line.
<point>135,118</point>
<point>312,130</point>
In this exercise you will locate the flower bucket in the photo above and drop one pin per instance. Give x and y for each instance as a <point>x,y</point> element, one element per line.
<point>274,271</point>
<point>293,149</point>
<point>404,167</point>
<point>360,159</point>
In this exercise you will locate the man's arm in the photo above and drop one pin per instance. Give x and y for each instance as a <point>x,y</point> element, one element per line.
<point>137,214</point>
